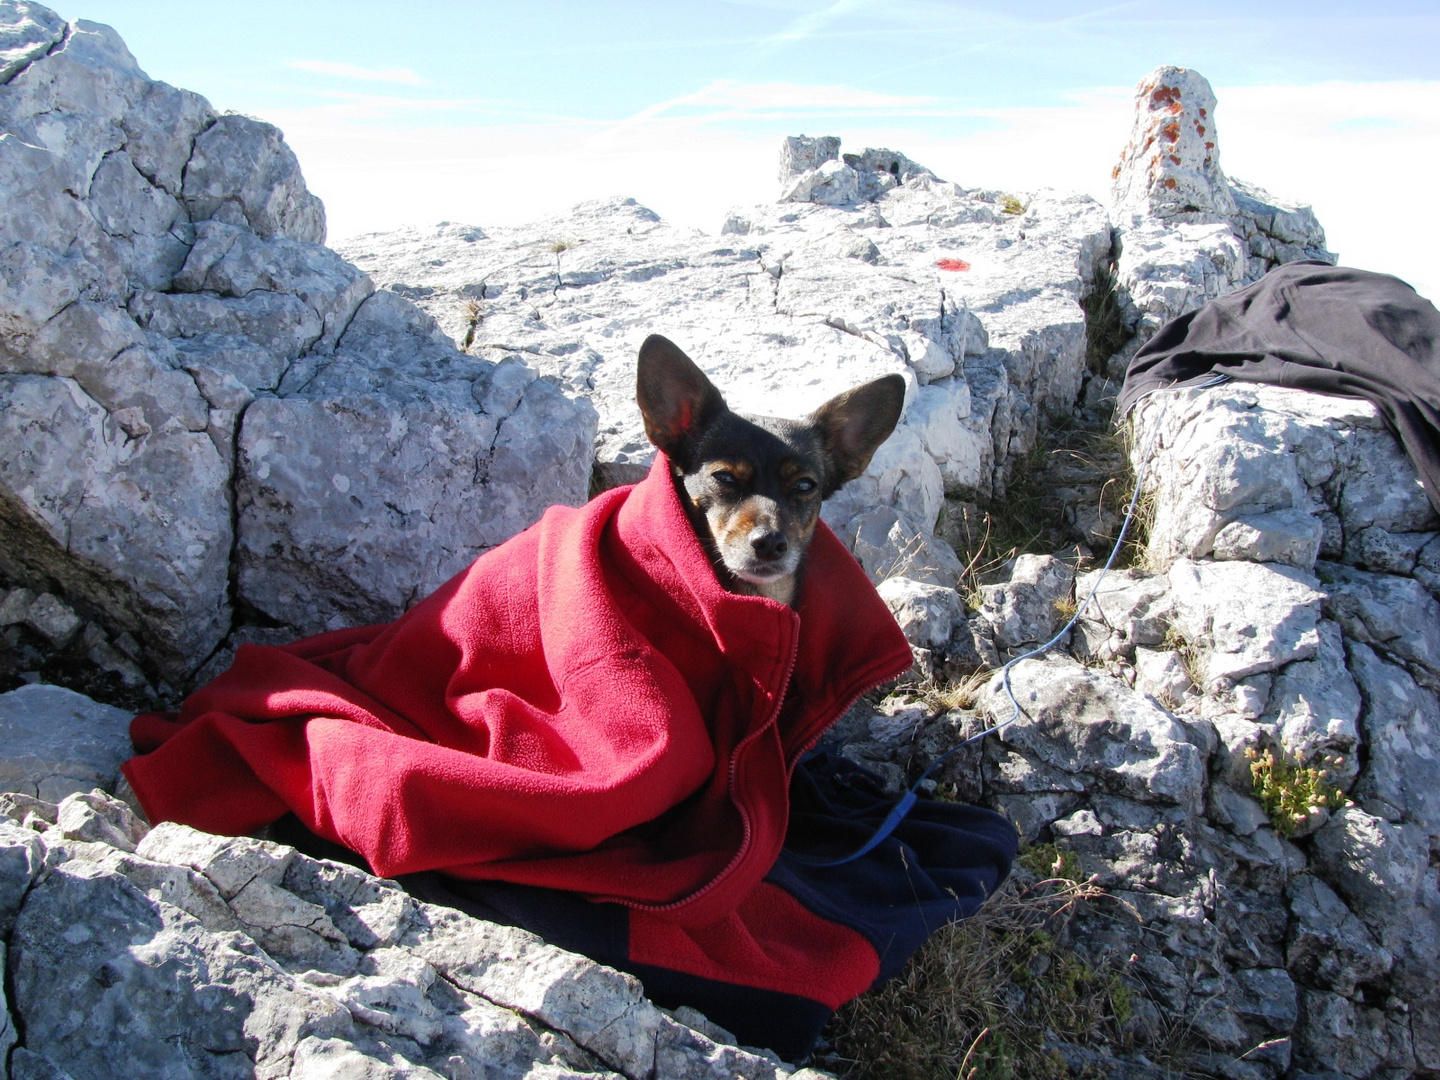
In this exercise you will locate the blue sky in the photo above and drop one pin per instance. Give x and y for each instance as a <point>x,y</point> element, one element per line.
<point>492,113</point>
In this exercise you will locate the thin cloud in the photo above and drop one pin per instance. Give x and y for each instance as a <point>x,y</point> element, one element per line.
<point>352,71</point>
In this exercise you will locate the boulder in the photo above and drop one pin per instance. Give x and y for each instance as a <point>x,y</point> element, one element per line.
<point>1245,618</point>
<point>1095,729</point>
<point>1028,609</point>
<point>54,741</point>
<point>179,355</point>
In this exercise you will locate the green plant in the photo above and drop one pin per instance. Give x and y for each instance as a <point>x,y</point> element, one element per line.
<point>1291,791</point>
<point>1009,204</point>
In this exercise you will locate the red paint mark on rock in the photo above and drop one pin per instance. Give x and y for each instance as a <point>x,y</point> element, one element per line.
<point>1165,95</point>
<point>952,264</point>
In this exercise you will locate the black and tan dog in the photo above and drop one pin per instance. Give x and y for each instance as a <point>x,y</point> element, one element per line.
<point>752,485</point>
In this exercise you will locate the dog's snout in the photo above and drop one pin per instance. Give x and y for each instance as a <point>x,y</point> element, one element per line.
<point>769,544</point>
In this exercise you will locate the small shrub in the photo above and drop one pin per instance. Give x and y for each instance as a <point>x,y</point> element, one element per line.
<point>1009,204</point>
<point>1291,792</point>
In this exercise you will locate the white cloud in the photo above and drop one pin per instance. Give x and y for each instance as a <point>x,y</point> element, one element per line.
<point>351,71</point>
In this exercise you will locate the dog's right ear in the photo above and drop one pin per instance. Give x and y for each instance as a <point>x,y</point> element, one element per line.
<point>675,398</point>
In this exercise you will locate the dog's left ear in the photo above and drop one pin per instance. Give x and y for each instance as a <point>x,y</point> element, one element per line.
<point>676,400</point>
<point>854,424</point>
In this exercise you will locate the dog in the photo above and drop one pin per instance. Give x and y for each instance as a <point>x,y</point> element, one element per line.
<point>752,485</point>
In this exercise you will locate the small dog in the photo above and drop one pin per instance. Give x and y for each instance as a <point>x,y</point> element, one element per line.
<point>752,485</point>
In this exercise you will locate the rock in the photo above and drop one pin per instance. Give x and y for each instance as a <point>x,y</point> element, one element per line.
<point>1266,996</point>
<point>1244,618</point>
<point>927,613</point>
<point>1239,813</point>
<point>1187,234</point>
<point>53,619</point>
<point>1252,463</point>
<point>1315,705</point>
<point>1334,1031</point>
<point>28,35</point>
<point>1395,615</point>
<point>97,818</point>
<point>1094,728</point>
<point>194,941</point>
<point>244,164</point>
<point>163,272</point>
<point>1029,608</point>
<point>1326,944</point>
<point>54,742</point>
<point>1127,608</point>
<point>1376,866</point>
<point>1171,165</point>
<point>799,154</point>
<point>1401,722</point>
<point>792,310</point>
<point>1162,674</point>
<point>382,467</point>
<point>889,545</point>
<point>1284,536</point>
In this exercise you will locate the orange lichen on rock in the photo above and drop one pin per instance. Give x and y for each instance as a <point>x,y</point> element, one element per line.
<point>1170,182</point>
<point>952,264</point>
<point>1171,131</point>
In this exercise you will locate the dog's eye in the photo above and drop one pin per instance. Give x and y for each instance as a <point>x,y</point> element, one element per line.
<point>803,486</point>
<point>725,477</point>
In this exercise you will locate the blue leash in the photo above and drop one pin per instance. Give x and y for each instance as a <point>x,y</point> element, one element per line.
<point>908,800</point>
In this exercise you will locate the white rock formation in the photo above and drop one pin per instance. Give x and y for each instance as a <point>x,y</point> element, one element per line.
<point>974,299</point>
<point>199,404</point>
<point>1185,233</point>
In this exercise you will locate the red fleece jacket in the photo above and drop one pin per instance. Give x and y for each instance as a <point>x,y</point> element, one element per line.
<point>583,708</point>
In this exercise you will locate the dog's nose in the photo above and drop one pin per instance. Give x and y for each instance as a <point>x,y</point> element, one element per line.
<point>769,544</point>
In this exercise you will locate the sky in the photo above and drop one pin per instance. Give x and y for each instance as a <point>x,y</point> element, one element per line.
<point>499,113</point>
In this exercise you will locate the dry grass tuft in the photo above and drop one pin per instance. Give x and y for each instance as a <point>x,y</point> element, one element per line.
<point>986,998</point>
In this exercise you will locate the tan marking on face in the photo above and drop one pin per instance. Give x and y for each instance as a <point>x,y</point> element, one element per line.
<point>741,470</point>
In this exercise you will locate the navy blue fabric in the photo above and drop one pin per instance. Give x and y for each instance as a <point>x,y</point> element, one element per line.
<point>939,864</point>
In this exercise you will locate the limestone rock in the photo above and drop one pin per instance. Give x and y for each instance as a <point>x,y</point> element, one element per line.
<point>1029,608</point>
<point>888,545</point>
<point>1128,608</point>
<point>162,270</point>
<point>1187,234</point>
<point>925,612</point>
<point>1171,165</point>
<point>54,742</point>
<point>1315,707</point>
<point>194,939</point>
<point>1402,724</point>
<point>1096,729</point>
<point>1245,618</point>
<point>1394,614</point>
<point>781,322</point>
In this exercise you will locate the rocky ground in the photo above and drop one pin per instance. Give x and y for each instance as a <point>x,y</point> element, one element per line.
<point>214,429</point>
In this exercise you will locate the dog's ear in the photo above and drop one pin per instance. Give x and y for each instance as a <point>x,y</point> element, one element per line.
<point>854,424</point>
<point>676,399</point>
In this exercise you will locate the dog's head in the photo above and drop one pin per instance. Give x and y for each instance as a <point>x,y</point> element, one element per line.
<point>752,485</point>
